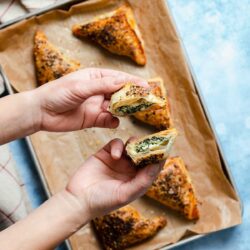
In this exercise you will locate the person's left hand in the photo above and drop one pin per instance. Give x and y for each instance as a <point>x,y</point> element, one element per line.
<point>80,100</point>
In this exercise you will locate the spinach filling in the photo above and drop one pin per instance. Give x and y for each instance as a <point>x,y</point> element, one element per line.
<point>133,109</point>
<point>145,145</point>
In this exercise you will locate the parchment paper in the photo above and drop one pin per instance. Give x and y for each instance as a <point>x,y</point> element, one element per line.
<point>60,154</point>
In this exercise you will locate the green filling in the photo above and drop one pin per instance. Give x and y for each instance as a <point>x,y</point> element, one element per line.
<point>145,145</point>
<point>133,109</point>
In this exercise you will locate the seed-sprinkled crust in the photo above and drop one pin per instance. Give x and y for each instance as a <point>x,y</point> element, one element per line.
<point>132,98</point>
<point>125,227</point>
<point>117,32</point>
<point>159,117</point>
<point>135,90</point>
<point>173,188</point>
<point>50,63</point>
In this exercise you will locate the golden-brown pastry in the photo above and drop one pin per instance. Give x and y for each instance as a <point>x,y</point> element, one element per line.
<point>50,62</point>
<point>117,32</point>
<point>152,148</point>
<point>125,227</point>
<point>156,116</point>
<point>133,98</point>
<point>173,188</point>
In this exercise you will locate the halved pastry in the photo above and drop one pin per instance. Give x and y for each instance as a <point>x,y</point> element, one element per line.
<point>125,227</point>
<point>173,188</point>
<point>156,116</point>
<point>50,62</point>
<point>133,98</point>
<point>151,149</point>
<point>117,32</point>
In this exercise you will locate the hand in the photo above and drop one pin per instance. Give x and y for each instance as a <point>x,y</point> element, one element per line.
<point>107,180</point>
<point>80,99</point>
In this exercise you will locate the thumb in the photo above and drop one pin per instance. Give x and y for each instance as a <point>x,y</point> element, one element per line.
<point>81,86</point>
<point>107,85</point>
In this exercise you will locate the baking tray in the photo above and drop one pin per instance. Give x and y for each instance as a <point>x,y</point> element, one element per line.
<point>225,166</point>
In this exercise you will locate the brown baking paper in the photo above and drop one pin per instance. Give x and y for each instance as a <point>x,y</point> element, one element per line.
<point>60,154</point>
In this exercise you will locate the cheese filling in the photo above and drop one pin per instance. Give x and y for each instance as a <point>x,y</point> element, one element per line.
<point>151,144</point>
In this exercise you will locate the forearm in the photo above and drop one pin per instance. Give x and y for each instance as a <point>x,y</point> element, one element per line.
<point>20,116</point>
<point>48,226</point>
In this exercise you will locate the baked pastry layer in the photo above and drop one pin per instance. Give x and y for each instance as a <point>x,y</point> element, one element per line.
<point>50,63</point>
<point>159,117</point>
<point>173,188</point>
<point>117,32</point>
<point>125,227</point>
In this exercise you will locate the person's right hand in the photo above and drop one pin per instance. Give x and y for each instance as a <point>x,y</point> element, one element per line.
<point>80,100</point>
<point>107,180</point>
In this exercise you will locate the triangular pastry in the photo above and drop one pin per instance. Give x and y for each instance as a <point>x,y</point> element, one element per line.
<point>133,98</point>
<point>156,116</point>
<point>152,148</point>
<point>125,227</point>
<point>117,32</point>
<point>50,63</point>
<point>174,189</point>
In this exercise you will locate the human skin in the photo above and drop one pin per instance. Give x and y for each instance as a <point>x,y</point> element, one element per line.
<point>105,181</point>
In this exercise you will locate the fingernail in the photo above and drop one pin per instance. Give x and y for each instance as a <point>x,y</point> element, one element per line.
<point>153,170</point>
<point>115,122</point>
<point>116,154</point>
<point>161,164</point>
<point>141,83</point>
<point>105,105</point>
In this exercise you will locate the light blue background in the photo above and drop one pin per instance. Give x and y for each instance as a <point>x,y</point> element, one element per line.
<point>216,34</point>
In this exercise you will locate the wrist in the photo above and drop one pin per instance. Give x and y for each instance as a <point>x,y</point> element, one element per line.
<point>20,116</point>
<point>33,103</point>
<point>74,210</point>
<point>49,225</point>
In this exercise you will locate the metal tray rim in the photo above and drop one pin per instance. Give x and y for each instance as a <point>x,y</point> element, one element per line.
<point>198,90</point>
<point>40,11</point>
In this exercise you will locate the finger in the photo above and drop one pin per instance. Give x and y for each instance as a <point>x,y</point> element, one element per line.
<point>96,73</point>
<point>145,177</point>
<point>105,85</point>
<point>141,182</point>
<point>114,148</point>
<point>117,148</point>
<point>108,155</point>
<point>91,109</point>
<point>106,120</point>
<point>78,86</point>
<point>105,105</point>
<point>162,163</point>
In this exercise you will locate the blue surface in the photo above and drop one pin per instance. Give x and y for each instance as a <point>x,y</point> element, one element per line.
<point>216,35</point>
